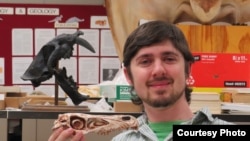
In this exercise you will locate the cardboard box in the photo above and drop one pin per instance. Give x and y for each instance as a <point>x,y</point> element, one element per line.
<point>15,94</point>
<point>15,102</point>
<point>15,99</point>
<point>116,92</point>
<point>220,70</point>
<point>126,106</point>
<point>2,101</point>
<point>2,104</point>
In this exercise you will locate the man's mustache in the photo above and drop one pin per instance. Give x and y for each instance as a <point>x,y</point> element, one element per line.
<point>160,80</point>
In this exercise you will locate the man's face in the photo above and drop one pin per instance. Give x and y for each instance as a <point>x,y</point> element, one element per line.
<point>158,74</point>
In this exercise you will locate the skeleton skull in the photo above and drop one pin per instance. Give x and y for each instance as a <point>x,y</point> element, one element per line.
<point>100,124</point>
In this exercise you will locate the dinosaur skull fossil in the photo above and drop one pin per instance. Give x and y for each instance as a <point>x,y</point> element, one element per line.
<point>44,66</point>
<point>100,124</point>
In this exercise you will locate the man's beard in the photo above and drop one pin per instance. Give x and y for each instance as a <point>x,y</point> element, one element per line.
<point>163,101</point>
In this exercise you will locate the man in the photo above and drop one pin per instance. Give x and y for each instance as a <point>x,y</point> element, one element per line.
<point>157,63</point>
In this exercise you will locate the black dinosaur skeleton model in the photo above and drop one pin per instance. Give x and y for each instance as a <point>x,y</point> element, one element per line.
<point>45,64</point>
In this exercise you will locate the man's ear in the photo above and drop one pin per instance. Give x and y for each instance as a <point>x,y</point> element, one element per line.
<point>127,75</point>
<point>189,69</point>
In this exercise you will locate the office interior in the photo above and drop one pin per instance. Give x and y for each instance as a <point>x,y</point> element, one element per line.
<point>28,25</point>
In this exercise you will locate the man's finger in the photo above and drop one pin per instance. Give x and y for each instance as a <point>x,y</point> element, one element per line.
<point>55,134</point>
<point>78,136</point>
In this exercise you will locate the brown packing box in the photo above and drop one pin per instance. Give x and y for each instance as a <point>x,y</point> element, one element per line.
<point>2,101</point>
<point>126,106</point>
<point>15,99</point>
<point>42,100</point>
<point>15,102</point>
<point>13,96</point>
<point>2,104</point>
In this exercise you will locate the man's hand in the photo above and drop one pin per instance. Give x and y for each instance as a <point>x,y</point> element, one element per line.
<point>69,134</point>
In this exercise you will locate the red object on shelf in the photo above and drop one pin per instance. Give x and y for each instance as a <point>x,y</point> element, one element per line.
<point>220,70</point>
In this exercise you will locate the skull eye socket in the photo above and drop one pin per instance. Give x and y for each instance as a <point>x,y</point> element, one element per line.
<point>96,122</point>
<point>77,123</point>
<point>126,118</point>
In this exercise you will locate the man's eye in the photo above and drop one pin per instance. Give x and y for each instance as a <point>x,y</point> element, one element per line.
<point>145,62</point>
<point>169,59</point>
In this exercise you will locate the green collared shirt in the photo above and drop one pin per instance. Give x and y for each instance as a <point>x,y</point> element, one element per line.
<point>145,133</point>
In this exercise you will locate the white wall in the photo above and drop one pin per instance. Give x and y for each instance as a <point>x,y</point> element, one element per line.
<point>82,2</point>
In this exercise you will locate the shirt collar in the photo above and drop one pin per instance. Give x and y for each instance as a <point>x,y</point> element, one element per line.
<point>200,116</point>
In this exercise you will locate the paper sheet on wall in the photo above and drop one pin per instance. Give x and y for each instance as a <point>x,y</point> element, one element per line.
<point>43,36</point>
<point>22,41</point>
<point>107,44</point>
<point>99,22</point>
<point>109,66</point>
<point>19,66</point>
<point>88,70</point>
<point>2,79</point>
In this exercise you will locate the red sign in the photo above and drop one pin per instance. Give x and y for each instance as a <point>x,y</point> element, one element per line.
<point>220,70</point>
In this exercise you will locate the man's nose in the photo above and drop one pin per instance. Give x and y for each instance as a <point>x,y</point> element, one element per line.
<point>159,69</point>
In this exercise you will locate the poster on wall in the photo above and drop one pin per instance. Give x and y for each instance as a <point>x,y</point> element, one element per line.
<point>26,28</point>
<point>2,71</point>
